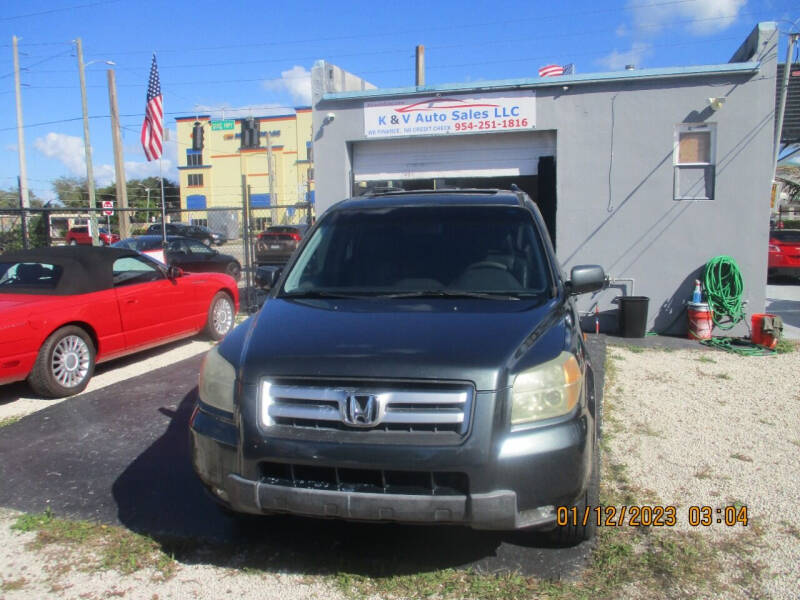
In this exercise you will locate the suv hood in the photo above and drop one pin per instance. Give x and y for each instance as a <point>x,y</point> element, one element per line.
<point>443,339</point>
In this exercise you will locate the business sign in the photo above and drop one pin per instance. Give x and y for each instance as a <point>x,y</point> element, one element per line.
<point>226,124</point>
<point>447,115</point>
<point>108,208</point>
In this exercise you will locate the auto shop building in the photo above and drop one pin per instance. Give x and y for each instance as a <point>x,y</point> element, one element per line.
<point>648,172</point>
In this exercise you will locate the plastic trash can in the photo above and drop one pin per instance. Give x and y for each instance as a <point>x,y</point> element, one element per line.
<point>633,316</point>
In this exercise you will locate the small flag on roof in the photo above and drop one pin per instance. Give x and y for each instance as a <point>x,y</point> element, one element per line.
<point>556,70</point>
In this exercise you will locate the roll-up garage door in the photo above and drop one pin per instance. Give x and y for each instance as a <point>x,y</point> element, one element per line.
<point>486,155</point>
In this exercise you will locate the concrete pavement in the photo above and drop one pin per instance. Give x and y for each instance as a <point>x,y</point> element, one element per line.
<point>783,299</point>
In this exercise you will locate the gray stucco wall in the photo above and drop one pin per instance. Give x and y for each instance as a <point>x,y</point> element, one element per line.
<point>614,162</point>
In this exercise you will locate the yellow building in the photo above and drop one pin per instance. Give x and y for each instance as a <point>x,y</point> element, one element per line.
<point>214,154</point>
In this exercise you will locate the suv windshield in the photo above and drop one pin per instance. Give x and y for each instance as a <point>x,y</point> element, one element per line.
<point>423,251</point>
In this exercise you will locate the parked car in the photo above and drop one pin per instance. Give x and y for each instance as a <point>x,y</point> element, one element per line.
<point>188,254</point>
<point>64,309</point>
<point>80,236</point>
<point>784,253</point>
<point>419,360</point>
<point>276,244</point>
<point>197,232</point>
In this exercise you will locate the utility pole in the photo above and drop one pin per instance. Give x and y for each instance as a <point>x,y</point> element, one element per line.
<point>420,66</point>
<point>87,147</point>
<point>23,170</point>
<point>119,164</point>
<point>782,103</point>
<point>274,211</point>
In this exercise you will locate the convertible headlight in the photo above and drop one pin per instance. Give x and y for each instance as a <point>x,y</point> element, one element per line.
<point>549,390</point>
<point>217,380</point>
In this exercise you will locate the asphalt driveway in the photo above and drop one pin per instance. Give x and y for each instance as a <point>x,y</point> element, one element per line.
<point>120,455</point>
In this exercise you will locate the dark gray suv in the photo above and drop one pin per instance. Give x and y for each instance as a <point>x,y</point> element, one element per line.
<point>419,360</point>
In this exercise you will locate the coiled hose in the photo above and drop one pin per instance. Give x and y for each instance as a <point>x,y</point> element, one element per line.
<point>724,290</point>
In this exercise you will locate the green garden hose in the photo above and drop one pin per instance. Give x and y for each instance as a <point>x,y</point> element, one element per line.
<point>724,291</point>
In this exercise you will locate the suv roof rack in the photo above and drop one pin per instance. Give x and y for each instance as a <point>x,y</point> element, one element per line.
<point>439,191</point>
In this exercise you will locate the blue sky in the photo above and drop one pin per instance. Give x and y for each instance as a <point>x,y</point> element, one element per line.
<point>255,57</point>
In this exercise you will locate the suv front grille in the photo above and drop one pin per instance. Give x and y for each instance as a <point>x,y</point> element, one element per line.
<point>374,481</point>
<point>368,408</point>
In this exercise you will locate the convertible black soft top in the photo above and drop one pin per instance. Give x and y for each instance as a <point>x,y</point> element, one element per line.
<point>84,269</point>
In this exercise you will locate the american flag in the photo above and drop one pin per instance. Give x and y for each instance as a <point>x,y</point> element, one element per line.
<point>555,70</point>
<point>153,126</point>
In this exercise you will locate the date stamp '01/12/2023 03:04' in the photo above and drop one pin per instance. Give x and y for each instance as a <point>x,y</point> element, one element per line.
<point>651,516</point>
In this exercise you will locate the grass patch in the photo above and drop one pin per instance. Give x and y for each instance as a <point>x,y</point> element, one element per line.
<point>705,359</point>
<point>723,376</point>
<point>97,547</point>
<point>9,421</point>
<point>634,349</point>
<point>785,346</point>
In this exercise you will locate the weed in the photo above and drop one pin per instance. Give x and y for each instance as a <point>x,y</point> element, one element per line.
<point>742,457</point>
<point>796,443</point>
<point>12,585</point>
<point>722,376</point>
<point>785,346</point>
<point>790,529</point>
<point>705,359</point>
<point>703,472</point>
<point>645,428</point>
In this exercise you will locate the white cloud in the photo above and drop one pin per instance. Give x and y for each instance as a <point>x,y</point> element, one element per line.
<point>616,60</point>
<point>698,17</point>
<point>296,81</point>
<point>705,16</point>
<point>67,149</point>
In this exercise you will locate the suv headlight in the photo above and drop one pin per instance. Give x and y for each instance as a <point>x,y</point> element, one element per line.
<point>217,380</point>
<point>548,390</point>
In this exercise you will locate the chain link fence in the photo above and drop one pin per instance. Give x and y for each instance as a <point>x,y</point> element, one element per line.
<point>42,227</point>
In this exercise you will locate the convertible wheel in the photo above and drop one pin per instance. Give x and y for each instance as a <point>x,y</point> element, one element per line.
<point>234,270</point>
<point>220,316</point>
<point>65,364</point>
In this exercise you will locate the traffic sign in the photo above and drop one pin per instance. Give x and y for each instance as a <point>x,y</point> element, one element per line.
<point>108,208</point>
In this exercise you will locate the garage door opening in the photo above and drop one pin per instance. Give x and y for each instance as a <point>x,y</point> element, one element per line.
<point>486,161</point>
<point>541,188</point>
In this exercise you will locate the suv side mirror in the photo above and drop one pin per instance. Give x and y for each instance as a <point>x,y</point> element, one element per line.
<point>266,277</point>
<point>586,278</point>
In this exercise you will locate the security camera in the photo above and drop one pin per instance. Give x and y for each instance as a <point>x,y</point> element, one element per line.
<point>330,117</point>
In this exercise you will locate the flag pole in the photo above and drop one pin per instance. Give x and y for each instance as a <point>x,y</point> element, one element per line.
<point>163,205</point>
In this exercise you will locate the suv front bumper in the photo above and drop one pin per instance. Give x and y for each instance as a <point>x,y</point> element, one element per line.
<point>520,486</point>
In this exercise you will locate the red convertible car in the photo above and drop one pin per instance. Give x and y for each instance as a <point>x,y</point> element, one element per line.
<point>64,309</point>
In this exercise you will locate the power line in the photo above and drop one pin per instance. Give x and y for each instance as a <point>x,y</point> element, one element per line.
<point>55,10</point>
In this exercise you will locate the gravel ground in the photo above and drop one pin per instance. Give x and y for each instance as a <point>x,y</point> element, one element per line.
<point>694,432</point>
<point>691,428</point>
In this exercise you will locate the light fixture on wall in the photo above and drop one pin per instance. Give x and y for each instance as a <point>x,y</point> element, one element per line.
<point>716,103</point>
<point>330,117</point>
